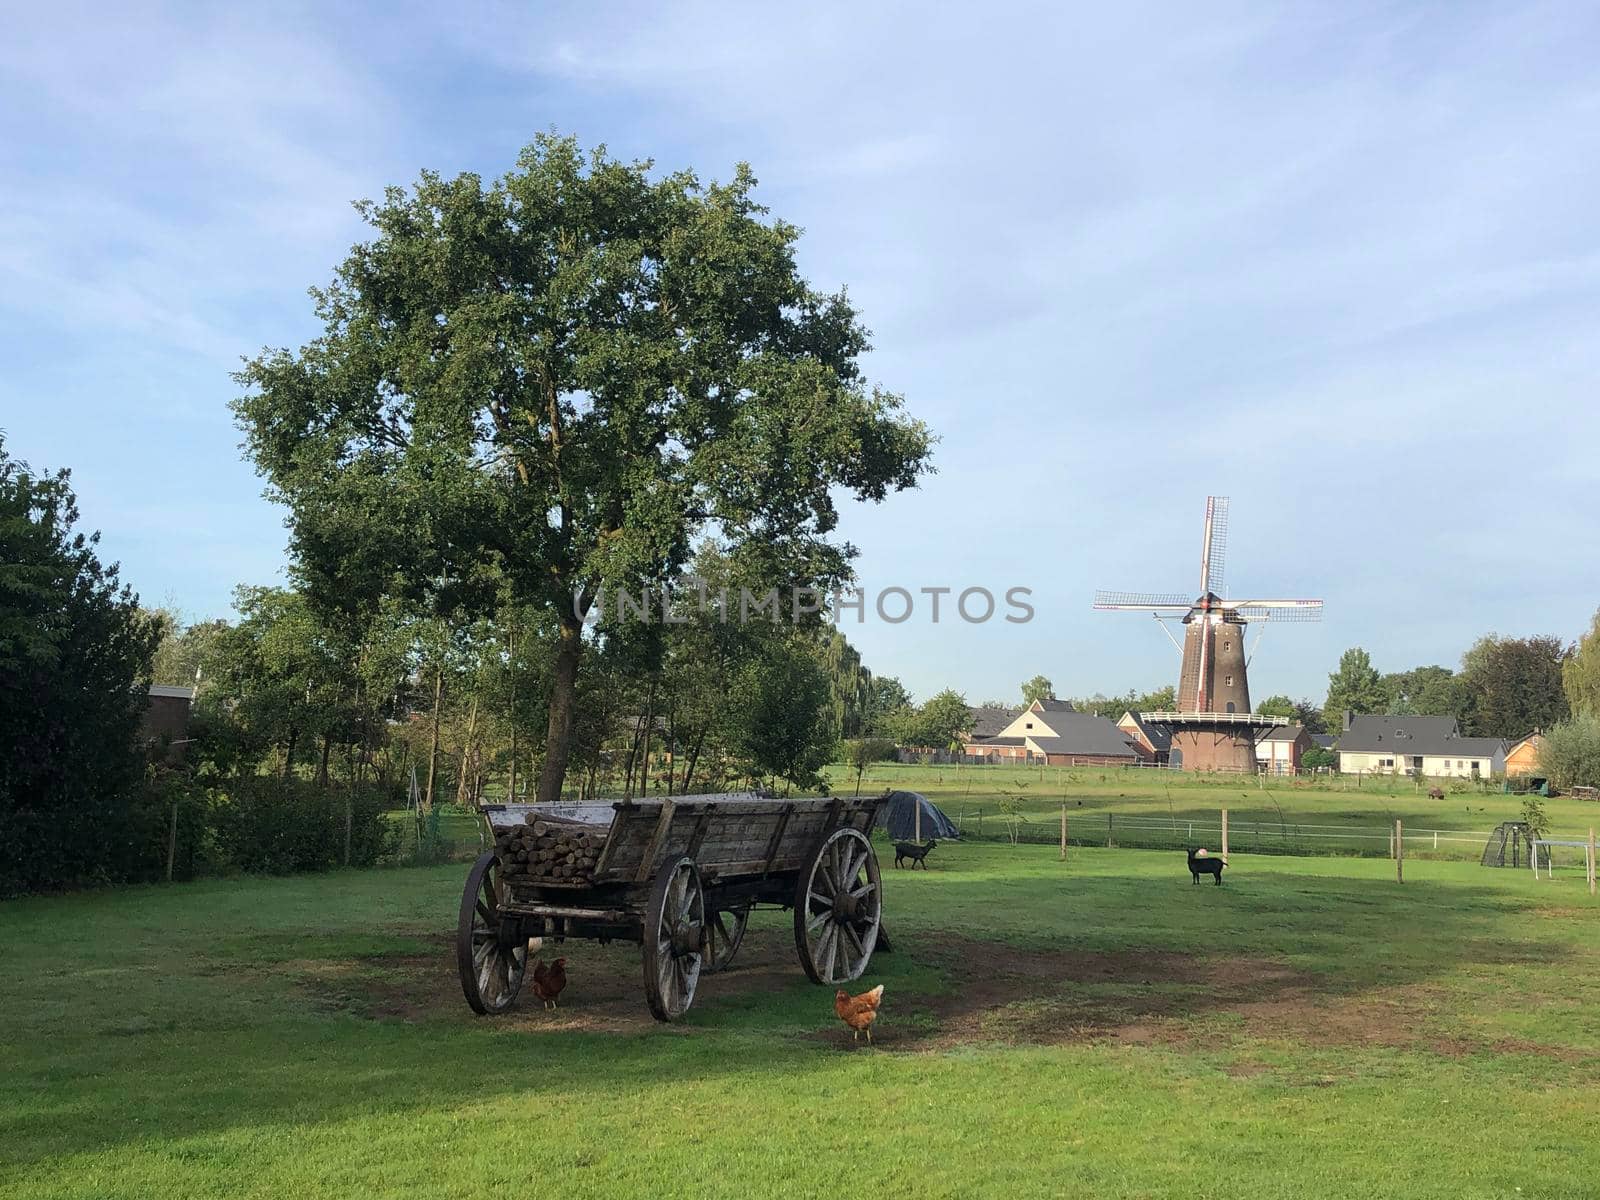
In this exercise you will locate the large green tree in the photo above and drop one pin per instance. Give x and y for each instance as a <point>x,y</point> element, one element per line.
<point>1037,688</point>
<point>934,724</point>
<point>1431,691</point>
<point>779,722</point>
<point>886,696</point>
<point>555,382</point>
<point>75,652</point>
<point>1570,752</point>
<point>1514,685</point>
<point>1355,687</point>
<point>1580,675</point>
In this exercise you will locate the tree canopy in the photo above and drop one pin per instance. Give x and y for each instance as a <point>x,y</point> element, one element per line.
<point>1037,688</point>
<point>1580,675</point>
<point>555,383</point>
<point>75,652</point>
<point>1355,687</point>
<point>1431,691</point>
<point>1514,685</point>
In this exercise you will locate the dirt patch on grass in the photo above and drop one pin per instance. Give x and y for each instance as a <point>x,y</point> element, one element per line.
<point>604,993</point>
<point>988,992</point>
<point>1044,996</point>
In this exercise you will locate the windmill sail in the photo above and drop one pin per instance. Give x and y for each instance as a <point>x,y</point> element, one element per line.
<point>1215,728</point>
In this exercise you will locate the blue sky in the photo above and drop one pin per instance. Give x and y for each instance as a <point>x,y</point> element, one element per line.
<point>1338,262</point>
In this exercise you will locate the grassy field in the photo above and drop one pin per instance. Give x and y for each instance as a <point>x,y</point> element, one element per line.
<point>1095,1028</point>
<point>1336,815</point>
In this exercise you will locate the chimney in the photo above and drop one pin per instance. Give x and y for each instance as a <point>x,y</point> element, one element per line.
<point>1349,719</point>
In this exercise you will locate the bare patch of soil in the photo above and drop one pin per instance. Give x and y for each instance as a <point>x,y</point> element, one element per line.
<point>604,992</point>
<point>992,993</point>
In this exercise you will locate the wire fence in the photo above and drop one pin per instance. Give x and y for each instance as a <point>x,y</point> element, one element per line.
<point>1144,831</point>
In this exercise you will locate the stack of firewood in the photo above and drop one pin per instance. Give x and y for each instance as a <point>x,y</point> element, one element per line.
<point>550,848</point>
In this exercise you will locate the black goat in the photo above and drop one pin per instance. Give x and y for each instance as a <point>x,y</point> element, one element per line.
<point>1209,865</point>
<point>916,853</point>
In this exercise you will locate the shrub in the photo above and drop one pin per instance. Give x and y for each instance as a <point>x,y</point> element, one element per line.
<point>1535,817</point>
<point>276,826</point>
<point>74,652</point>
<point>1570,753</point>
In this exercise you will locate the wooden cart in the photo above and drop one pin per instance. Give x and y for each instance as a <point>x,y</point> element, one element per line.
<point>681,877</point>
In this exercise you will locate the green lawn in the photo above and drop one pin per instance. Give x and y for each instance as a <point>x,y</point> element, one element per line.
<point>1338,815</point>
<point>1096,1028</point>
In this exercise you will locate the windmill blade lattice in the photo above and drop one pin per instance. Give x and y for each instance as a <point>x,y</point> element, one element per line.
<point>1142,600</point>
<point>1216,546</point>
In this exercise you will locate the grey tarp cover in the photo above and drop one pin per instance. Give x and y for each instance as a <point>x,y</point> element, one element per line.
<point>898,815</point>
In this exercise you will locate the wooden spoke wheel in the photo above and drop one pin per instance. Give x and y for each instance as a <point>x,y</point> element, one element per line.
<point>723,935</point>
<point>838,908</point>
<point>674,939</point>
<point>491,953</point>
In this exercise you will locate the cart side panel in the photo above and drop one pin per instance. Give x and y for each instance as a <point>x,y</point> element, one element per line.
<point>726,836</point>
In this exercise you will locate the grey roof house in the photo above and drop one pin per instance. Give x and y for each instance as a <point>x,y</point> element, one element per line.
<point>1429,746</point>
<point>1056,732</point>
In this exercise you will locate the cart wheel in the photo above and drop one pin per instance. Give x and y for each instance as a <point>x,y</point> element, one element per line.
<point>674,939</point>
<point>491,953</point>
<point>838,908</point>
<point>723,936</point>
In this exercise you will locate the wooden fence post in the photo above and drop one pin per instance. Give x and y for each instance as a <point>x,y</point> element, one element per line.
<point>1224,835</point>
<point>172,837</point>
<point>1110,819</point>
<point>1399,852</point>
<point>1591,861</point>
<point>1063,833</point>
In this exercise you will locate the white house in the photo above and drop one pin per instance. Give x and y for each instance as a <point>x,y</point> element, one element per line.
<point>1279,748</point>
<point>1428,746</point>
<point>1055,732</point>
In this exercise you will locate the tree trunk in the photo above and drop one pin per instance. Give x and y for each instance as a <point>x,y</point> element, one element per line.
<point>511,664</point>
<point>671,745</point>
<point>694,758</point>
<point>288,754</point>
<point>463,787</point>
<point>433,745</point>
<point>633,757</point>
<point>649,730</point>
<point>563,703</point>
<point>322,767</point>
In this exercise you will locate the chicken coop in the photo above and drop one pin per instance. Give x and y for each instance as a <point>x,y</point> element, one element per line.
<point>679,876</point>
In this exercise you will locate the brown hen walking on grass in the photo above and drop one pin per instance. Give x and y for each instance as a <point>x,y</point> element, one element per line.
<point>549,979</point>
<point>858,1012</point>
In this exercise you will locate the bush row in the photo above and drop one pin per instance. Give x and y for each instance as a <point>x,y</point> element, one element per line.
<point>255,824</point>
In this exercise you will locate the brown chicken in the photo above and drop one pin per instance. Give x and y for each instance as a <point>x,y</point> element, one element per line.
<point>549,979</point>
<point>858,1012</point>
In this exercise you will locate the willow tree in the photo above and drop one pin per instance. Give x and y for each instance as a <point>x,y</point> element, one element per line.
<point>554,383</point>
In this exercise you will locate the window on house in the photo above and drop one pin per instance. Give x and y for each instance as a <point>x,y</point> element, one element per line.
<point>1029,725</point>
<point>1386,762</point>
<point>1474,764</point>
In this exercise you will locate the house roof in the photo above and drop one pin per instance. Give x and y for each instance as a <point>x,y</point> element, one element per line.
<point>1051,705</point>
<point>1001,741</point>
<point>1084,733</point>
<point>1323,741</point>
<point>1281,733</point>
<point>990,719</point>
<point>1436,736</point>
<point>172,693</point>
<point>1535,737</point>
<point>1158,735</point>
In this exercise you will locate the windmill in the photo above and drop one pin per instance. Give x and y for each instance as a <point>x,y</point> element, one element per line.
<point>1213,727</point>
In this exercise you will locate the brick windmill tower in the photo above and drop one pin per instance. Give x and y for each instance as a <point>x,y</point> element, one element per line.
<point>1213,727</point>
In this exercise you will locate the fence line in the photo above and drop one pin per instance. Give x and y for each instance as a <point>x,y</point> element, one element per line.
<point>1146,831</point>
